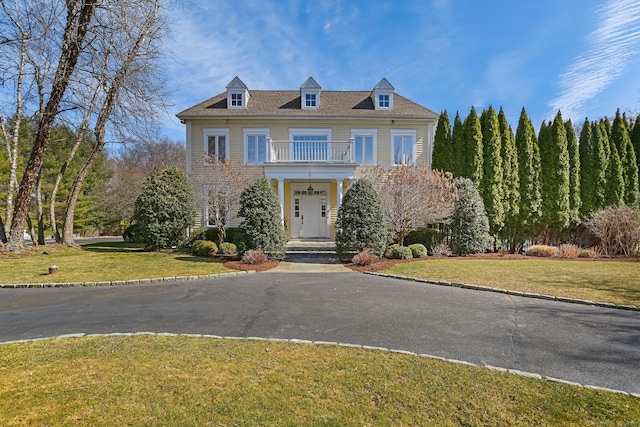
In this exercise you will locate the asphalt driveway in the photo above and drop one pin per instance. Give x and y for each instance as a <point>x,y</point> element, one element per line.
<point>586,344</point>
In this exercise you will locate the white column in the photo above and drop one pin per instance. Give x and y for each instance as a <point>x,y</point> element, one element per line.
<point>340,191</point>
<point>281,197</point>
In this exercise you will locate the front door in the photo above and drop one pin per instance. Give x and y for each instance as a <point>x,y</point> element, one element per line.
<point>310,211</point>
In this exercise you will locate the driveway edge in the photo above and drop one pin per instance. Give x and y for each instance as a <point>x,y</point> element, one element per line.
<point>122,282</point>
<point>329,343</point>
<point>506,291</point>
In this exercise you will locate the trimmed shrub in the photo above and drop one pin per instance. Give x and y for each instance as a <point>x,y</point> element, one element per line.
<point>429,237</point>
<point>204,248</point>
<point>253,257</point>
<point>227,248</point>
<point>360,222</point>
<point>398,252</point>
<point>441,250</point>
<point>469,225</point>
<point>262,223</point>
<point>418,250</point>
<point>542,251</point>
<point>165,208</point>
<point>364,258</point>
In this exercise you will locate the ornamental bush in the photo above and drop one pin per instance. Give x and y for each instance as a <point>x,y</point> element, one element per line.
<point>165,209</point>
<point>429,237</point>
<point>398,252</point>
<point>204,248</point>
<point>418,250</point>
<point>227,248</point>
<point>469,225</point>
<point>360,222</point>
<point>262,223</point>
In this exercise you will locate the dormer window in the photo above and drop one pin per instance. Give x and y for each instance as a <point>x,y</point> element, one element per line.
<point>382,95</point>
<point>237,94</point>
<point>310,94</point>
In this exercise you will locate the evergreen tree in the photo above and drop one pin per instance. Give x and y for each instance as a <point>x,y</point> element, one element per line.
<point>607,128</point>
<point>360,221</point>
<point>575,201</point>
<point>469,225</point>
<point>614,192</point>
<point>620,138</point>
<point>599,157</point>
<point>473,148</point>
<point>554,177</point>
<point>591,171</point>
<point>511,181</point>
<point>165,209</point>
<point>529,211</point>
<point>458,147</point>
<point>262,223</point>
<point>491,186</point>
<point>634,134</point>
<point>442,159</point>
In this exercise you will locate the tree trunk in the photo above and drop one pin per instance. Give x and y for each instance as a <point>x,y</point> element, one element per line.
<point>79,13</point>
<point>40,210</point>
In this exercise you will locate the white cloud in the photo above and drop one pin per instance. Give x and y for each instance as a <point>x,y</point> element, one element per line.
<point>610,48</point>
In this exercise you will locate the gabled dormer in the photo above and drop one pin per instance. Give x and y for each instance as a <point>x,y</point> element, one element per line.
<point>237,94</point>
<point>310,94</point>
<point>382,95</point>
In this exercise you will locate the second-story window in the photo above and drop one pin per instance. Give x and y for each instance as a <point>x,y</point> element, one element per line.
<point>403,147</point>
<point>255,144</point>
<point>216,145</point>
<point>365,146</point>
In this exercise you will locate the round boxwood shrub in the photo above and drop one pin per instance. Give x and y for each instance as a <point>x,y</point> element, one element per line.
<point>418,250</point>
<point>227,248</point>
<point>398,252</point>
<point>204,248</point>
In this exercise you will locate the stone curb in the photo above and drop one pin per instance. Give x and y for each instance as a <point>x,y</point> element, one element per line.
<point>508,292</point>
<point>121,282</point>
<point>330,343</point>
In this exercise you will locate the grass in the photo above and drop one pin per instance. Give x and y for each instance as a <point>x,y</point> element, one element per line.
<point>188,381</point>
<point>605,281</point>
<point>101,262</point>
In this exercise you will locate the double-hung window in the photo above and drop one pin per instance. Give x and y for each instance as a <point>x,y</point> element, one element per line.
<point>365,146</point>
<point>403,146</point>
<point>216,145</point>
<point>255,146</point>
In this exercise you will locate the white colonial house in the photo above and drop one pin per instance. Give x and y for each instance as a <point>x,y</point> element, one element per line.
<point>312,143</point>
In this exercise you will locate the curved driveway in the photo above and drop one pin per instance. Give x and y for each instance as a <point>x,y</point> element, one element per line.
<point>584,344</point>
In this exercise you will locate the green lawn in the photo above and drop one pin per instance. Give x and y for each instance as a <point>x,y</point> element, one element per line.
<point>188,381</point>
<point>101,262</point>
<point>606,281</point>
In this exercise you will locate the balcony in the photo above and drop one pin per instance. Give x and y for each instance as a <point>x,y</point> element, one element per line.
<point>310,151</point>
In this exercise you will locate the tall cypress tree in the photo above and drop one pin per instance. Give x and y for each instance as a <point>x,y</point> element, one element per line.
<point>614,192</point>
<point>554,178</point>
<point>491,184</point>
<point>574,175</point>
<point>588,171</point>
<point>457,142</point>
<point>620,138</point>
<point>599,158</point>
<point>634,134</point>
<point>473,147</point>
<point>442,146</point>
<point>529,178</point>
<point>511,180</point>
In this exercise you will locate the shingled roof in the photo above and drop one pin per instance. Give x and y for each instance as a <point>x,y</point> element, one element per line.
<point>286,103</point>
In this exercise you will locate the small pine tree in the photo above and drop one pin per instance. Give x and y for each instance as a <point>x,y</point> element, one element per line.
<point>262,223</point>
<point>165,209</point>
<point>442,159</point>
<point>473,165</point>
<point>529,178</point>
<point>469,226</point>
<point>360,221</point>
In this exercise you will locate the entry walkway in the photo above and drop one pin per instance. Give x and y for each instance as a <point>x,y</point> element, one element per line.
<point>310,256</point>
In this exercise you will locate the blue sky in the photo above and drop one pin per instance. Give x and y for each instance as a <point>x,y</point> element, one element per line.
<point>582,57</point>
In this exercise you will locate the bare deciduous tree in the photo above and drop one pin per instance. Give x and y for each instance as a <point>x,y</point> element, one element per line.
<point>223,183</point>
<point>618,228</point>
<point>413,196</point>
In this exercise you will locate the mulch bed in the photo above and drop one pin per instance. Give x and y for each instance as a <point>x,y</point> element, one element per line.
<point>239,265</point>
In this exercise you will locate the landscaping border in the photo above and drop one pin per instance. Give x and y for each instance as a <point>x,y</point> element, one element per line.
<point>506,291</point>
<point>330,343</point>
<point>170,279</point>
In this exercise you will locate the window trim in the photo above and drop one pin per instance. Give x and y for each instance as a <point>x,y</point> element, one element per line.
<point>206,133</point>
<point>413,133</point>
<point>246,133</point>
<point>366,132</point>
<point>234,102</point>
<point>310,132</point>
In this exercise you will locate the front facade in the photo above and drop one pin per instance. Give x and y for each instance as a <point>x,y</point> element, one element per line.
<point>311,143</point>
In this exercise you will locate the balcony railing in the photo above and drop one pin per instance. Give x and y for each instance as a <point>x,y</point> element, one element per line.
<point>311,151</point>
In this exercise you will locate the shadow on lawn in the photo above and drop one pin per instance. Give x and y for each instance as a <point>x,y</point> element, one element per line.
<point>114,247</point>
